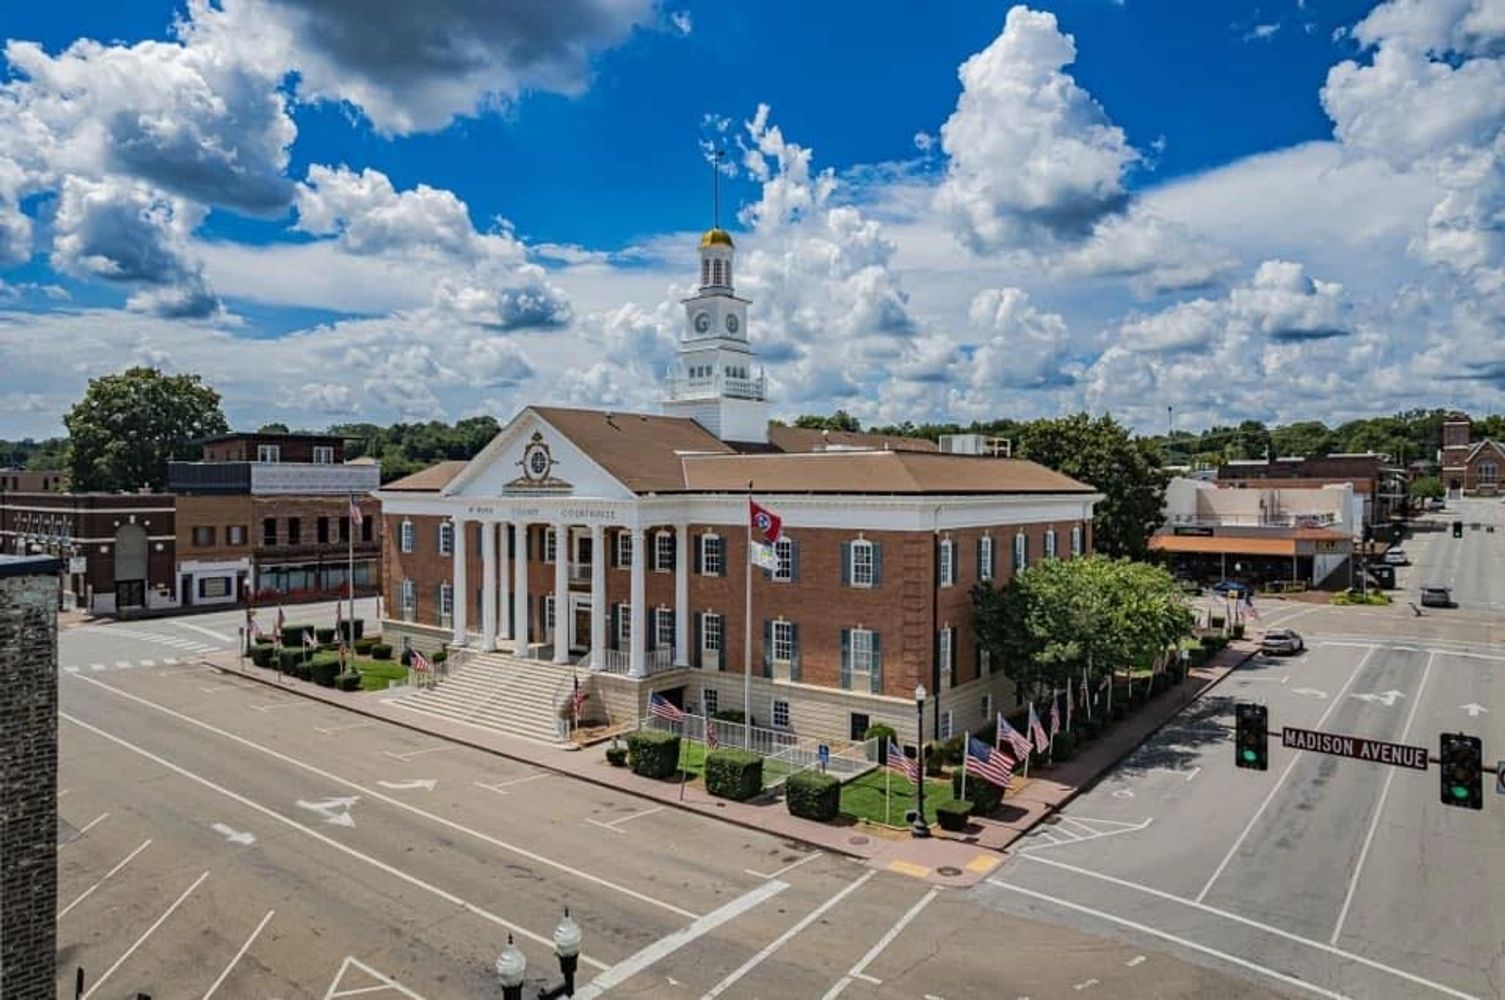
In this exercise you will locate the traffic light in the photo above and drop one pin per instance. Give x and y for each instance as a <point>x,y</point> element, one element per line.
<point>1251,745</point>
<point>1457,529</point>
<point>1462,771</point>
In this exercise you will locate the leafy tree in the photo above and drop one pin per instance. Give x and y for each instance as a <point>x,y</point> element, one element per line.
<point>28,453</point>
<point>841,420</point>
<point>128,425</point>
<point>1310,438</point>
<point>276,427</point>
<point>1127,471</point>
<point>1425,488</point>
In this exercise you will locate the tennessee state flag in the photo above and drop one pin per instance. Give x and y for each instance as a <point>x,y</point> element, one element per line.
<point>766,525</point>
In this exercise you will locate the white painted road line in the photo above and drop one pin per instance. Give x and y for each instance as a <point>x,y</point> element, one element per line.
<point>222,637</point>
<point>1242,963</point>
<point>146,934</point>
<point>408,757</point>
<point>169,661</point>
<point>1279,781</point>
<point>883,942</point>
<point>83,830</point>
<point>104,878</point>
<point>326,730</point>
<point>1194,772</point>
<point>665,946</point>
<point>1135,961</point>
<point>395,802</point>
<point>785,938</point>
<point>274,706</point>
<point>787,868</point>
<point>120,665</point>
<point>501,786</point>
<point>1379,807</point>
<point>330,842</point>
<point>612,824</point>
<point>239,955</point>
<point>1267,928</point>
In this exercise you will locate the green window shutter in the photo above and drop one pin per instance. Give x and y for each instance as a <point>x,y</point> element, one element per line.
<point>767,647</point>
<point>695,657</point>
<point>877,563</point>
<point>846,659</point>
<point>699,561</point>
<point>612,641</point>
<point>877,671</point>
<point>846,564</point>
<point>794,560</point>
<point>721,548</point>
<point>794,654</point>
<point>611,549</point>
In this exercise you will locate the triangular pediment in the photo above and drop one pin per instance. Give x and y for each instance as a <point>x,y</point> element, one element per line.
<point>531,458</point>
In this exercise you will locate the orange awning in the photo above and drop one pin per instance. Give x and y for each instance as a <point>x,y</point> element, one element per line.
<point>1231,545</point>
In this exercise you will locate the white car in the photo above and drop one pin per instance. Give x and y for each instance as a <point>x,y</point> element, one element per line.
<point>1396,557</point>
<point>1281,641</point>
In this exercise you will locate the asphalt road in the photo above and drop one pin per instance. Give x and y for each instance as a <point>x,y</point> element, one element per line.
<point>222,839</point>
<point>1321,876</point>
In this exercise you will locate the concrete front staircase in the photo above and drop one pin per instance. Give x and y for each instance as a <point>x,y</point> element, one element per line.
<point>497,692</point>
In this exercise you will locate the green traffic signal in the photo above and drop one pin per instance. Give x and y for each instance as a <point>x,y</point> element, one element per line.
<point>1251,737</point>
<point>1462,759</point>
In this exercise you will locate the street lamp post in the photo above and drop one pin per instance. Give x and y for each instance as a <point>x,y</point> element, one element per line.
<point>510,967</point>
<point>567,947</point>
<point>920,828</point>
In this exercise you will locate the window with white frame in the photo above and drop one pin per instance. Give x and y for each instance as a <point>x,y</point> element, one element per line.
<point>1050,544</point>
<point>268,453</point>
<point>549,615</point>
<point>446,538</point>
<point>624,549</point>
<point>323,454</point>
<point>862,651</point>
<point>408,600</point>
<point>780,714</point>
<point>712,558</point>
<point>446,603</point>
<point>624,626</point>
<point>405,536</point>
<point>783,641</point>
<point>663,551</point>
<point>1021,552</point>
<point>1076,539</point>
<point>946,663</point>
<point>1489,474</point>
<point>710,700</point>
<point>710,632</point>
<point>784,549</point>
<point>550,545</point>
<point>948,562</point>
<point>945,732</point>
<point>984,661</point>
<point>861,573</point>
<point>663,628</point>
<point>985,558</point>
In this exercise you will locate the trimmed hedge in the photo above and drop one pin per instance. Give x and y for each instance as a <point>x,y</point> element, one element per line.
<point>1065,747</point>
<point>984,796</point>
<point>813,795</point>
<point>935,761</point>
<point>324,670</point>
<point>1158,683</point>
<point>263,640</point>
<point>878,731</point>
<point>262,655</point>
<point>733,774</point>
<point>440,655</point>
<point>292,635</point>
<point>953,814</point>
<point>381,651</point>
<point>616,756</point>
<point>653,753</point>
<point>287,659</point>
<point>344,627</point>
<point>1238,630</point>
<point>324,635</point>
<point>348,681</point>
<point>363,645</point>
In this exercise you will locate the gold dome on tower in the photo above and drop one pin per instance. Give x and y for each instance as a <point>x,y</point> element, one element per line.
<point>716,237</point>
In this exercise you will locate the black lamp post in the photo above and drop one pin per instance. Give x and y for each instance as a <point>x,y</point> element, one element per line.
<point>920,828</point>
<point>567,947</point>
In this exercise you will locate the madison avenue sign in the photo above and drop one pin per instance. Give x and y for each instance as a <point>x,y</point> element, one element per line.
<point>1378,751</point>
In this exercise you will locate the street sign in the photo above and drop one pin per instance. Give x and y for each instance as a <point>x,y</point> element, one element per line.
<point>1377,751</point>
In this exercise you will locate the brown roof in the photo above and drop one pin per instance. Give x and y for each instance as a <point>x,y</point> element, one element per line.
<point>641,451</point>
<point>873,472</point>
<point>433,479</point>
<point>1230,544</point>
<point>802,439</point>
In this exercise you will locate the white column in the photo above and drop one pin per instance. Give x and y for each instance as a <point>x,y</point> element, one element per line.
<point>561,592</point>
<point>461,596</point>
<point>520,590</point>
<point>598,597</point>
<point>682,543</point>
<point>635,663</point>
<point>503,592</point>
<point>488,585</point>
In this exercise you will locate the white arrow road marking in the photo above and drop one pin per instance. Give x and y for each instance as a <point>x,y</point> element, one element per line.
<point>235,836</point>
<point>335,810</point>
<point>427,784</point>
<point>1473,709</point>
<point>1388,698</point>
<point>1310,692</point>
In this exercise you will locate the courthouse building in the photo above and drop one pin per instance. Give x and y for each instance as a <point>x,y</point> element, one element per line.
<point>613,546</point>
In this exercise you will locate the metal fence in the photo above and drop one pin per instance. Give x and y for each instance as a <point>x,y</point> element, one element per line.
<point>784,753</point>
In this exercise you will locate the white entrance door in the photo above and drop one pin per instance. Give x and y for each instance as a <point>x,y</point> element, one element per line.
<point>580,622</point>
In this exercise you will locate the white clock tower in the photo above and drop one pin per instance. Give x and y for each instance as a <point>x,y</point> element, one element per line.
<point>715,381</point>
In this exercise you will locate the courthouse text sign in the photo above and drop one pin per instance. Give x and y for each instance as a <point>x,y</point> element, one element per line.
<point>1378,751</point>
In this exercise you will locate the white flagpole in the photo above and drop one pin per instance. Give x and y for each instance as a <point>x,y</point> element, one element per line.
<point>747,627</point>
<point>349,637</point>
<point>966,743</point>
<point>888,788</point>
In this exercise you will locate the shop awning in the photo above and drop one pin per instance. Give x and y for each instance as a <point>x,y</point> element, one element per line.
<point>1224,544</point>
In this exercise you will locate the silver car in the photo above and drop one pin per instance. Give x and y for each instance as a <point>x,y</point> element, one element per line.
<point>1281,642</point>
<point>1436,596</point>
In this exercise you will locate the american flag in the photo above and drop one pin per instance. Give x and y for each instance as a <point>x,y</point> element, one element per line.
<point>255,629</point>
<point>577,699</point>
<point>662,708</point>
<point>712,741</point>
<point>356,517</point>
<point>901,765</point>
<point>1055,716</point>
<point>1249,605</point>
<point>420,662</point>
<point>309,641</point>
<point>281,618</point>
<point>991,765</point>
<point>1016,739</point>
<point>1037,731</point>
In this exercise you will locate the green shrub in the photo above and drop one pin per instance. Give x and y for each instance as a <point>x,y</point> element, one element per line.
<point>1196,656</point>
<point>440,655</point>
<point>262,656</point>
<point>263,640</point>
<point>1238,630</point>
<point>733,774</point>
<point>1217,621</point>
<point>344,627</point>
<point>381,651</point>
<point>302,671</point>
<point>730,715</point>
<point>616,755</point>
<point>1064,748</point>
<point>813,795</point>
<point>935,760</point>
<point>289,658</point>
<point>984,796</point>
<point>324,636</point>
<point>653,753</point>
<point>882,733</point>
<point>324,671</point>
<point>292,635</point>
<point>350,680</point>
<point>1120,710</point>
<point>952,814</point>
<point>1159,682</point>
<point>363,645</point>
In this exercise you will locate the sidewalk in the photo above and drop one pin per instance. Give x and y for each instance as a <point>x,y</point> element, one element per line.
<point>942,859</point>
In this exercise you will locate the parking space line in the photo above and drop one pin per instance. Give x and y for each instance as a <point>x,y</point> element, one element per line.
<point>326,730</point>
<point>145,934</point>
<point>85,894</point>
<point>272,706</point>
<point>1379,807</point>
<point>83,830</point>
<point>1269,797</point>
<point>239,955</point>
<point>373,793</point>
<point>1249,922</point>
<point>787,868</point>
<point>501,786</point>
<point>612,824</point>
<point>407,757</point>
<point>882,943</point>
<point>330,842</point>
<point>785,938</point>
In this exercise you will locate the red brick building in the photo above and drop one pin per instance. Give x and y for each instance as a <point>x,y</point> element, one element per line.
<point>1470,468</point>
<point>619,542</point>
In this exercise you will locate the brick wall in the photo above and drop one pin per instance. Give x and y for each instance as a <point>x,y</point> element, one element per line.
<point>217,514</point>
<point>28,781</point>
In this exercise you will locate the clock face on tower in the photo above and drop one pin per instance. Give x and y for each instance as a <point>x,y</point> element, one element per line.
<point>731,322</point>
<point>702,322</point>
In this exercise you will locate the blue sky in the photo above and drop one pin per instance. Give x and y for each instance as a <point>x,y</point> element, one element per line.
<point>465,211</point>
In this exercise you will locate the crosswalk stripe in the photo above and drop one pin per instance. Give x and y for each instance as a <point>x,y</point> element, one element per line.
<point>96,666</point>
<point>168,661</point>
<point>148,663</point>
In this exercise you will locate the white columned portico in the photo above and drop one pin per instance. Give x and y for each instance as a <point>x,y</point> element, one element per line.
<point>488,585</point>
<point>598,596</point>
<point>562,610</point>
<point>503,590</point>
<point>681,595</point>
<point>635,664</point>
<point>460,589</point>
<point>520,590</point>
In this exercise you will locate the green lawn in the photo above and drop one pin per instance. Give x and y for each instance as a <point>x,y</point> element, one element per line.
<point>375,674</point>
<point>866,797</point>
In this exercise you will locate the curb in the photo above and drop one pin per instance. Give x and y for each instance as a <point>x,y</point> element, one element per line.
<point>591,779</point>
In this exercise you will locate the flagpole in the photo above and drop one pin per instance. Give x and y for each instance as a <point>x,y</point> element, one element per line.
<point>888,788</point>
<point>350,570</point>
<point>747,627</point>
<point>966,753</point>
